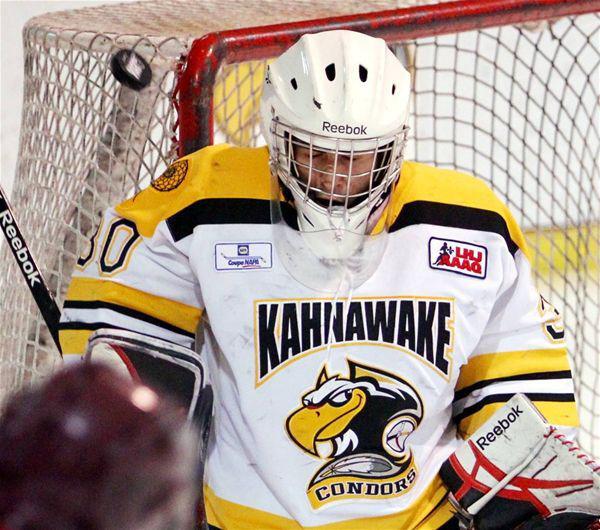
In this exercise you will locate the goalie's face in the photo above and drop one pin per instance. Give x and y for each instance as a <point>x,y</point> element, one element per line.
<point>332,178</point>
<point>333,112</point>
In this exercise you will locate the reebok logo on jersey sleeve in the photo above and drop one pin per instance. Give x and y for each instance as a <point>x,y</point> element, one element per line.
<point>458,256</point>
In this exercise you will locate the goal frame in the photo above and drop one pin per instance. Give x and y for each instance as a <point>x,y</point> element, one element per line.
<point>193,95</point>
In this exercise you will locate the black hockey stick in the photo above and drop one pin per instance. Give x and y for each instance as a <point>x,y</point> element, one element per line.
<point>35,281</point>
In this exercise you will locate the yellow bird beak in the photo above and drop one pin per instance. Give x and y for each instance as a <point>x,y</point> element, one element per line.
<point>309,425</point>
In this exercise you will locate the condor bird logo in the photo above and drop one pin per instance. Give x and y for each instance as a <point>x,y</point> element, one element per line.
<point>360,426</point>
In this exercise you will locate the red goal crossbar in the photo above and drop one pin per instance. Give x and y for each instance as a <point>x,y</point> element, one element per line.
<point>194,93</point>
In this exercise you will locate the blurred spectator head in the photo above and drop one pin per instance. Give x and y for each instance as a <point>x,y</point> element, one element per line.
<point>91,450</point>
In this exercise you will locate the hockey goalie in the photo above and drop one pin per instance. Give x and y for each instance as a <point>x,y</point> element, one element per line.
<point>360,316</point>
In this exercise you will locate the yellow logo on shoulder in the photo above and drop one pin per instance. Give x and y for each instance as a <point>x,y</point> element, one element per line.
<point>172,177</point>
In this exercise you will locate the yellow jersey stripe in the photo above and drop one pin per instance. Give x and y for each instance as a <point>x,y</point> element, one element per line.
<point>232,516</point>
<point>175,313</point>
<point>512,363</point>
<point>74,341</point>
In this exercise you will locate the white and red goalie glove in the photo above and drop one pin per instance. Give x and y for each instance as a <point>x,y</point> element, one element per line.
<point>517,471</point>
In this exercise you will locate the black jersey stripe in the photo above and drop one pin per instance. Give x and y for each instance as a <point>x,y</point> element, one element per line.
<point>127,311</point>
<point>258,211</point>
<point>225,211</point>
<point>561,374</point>
<point>218,211</point>
<point>93,326</point>
<point>503,398</point>
<point>452,215</point>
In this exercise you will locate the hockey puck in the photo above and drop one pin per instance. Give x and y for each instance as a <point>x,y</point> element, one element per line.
<point>131,69</point>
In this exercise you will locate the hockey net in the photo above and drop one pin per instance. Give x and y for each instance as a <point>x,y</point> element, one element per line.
<point>503,89</point>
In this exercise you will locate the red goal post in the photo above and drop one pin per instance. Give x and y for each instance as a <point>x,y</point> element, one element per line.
<point>503,89</point>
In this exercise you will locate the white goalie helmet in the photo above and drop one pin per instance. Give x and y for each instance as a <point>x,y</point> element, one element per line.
<point>334,111</point>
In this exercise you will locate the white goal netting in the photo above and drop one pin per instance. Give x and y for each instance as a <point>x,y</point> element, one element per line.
<point>516,105</point>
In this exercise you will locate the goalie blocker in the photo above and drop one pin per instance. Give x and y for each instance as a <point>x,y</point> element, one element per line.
<point>173,370</point>
<point>517,471</point>
<point>169,369</point>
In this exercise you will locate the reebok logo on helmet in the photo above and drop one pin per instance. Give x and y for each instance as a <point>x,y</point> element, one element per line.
<point>345,129</point>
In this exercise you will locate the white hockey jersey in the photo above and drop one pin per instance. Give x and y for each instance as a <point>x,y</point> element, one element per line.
<point>329,413</point>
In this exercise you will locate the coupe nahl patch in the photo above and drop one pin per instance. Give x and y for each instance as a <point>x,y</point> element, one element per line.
<point>172,177</point>
<point>458,256</point>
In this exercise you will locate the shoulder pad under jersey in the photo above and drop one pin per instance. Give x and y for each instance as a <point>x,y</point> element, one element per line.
<point>214,172</point>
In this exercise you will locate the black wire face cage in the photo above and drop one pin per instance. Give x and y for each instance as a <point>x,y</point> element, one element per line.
<point>337,173</point>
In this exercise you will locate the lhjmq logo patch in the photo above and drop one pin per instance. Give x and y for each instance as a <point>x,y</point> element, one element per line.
<point>458,256</point>
<point>172,177</point>
<point>359,425</point>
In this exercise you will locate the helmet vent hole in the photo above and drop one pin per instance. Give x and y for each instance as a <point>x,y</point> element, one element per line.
<point>294,83</point>
<point>330,71</point>
<point>393,89</point>
<point>362,73</point>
